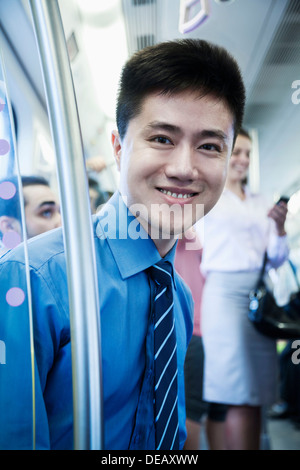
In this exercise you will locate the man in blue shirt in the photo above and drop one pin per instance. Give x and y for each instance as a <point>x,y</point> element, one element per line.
<point>42,212</point>
<point>179,109</point>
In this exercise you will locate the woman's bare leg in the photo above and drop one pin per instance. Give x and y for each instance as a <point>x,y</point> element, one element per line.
<point>193,435</point>
<point>243,427</point>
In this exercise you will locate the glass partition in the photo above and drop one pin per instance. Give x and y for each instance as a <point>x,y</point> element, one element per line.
<point>16,330</point>
<point>22,356</point>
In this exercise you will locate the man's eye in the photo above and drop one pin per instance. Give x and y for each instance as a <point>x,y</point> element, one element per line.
<point>161,140</point>
<point>47,214</point>
<point>211,147</point>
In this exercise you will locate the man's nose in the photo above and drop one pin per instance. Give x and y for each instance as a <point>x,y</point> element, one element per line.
<point>57,220</point>
<point>244,157</point>
<point>182,164</point>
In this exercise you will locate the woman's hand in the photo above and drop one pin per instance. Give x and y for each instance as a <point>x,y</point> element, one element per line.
<point>278,213</point>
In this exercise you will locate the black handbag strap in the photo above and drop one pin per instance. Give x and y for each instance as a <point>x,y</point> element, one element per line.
<point>263,268</point>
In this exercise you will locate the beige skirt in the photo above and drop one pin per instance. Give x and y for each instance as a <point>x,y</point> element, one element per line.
<point>241,365</point>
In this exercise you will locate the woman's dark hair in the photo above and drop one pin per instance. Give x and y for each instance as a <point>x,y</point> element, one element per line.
<point>244,133</point>
<point>176,66</point>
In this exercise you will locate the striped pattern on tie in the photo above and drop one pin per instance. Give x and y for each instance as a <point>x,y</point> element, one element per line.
<point>165,359</point>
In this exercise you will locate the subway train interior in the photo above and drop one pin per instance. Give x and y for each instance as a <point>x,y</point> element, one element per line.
<point>60,67</point>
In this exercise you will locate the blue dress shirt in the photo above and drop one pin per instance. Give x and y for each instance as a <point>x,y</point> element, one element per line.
<point>126,331</point>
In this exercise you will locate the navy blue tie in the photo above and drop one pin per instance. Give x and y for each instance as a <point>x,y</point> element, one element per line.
<point>165,359</point>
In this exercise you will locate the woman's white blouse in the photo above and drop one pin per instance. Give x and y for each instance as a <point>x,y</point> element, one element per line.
<point>236,233</point>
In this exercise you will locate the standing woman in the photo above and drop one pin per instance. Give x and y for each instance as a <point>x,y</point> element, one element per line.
<point>240,363</point>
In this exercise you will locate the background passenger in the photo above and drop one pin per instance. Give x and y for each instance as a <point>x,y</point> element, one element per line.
<point>97,196</point>
<point>240,363</point>
<point>42,211</point>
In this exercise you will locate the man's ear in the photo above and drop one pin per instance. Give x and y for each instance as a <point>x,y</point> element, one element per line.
<point>117,147</point>
<point>6,224</point>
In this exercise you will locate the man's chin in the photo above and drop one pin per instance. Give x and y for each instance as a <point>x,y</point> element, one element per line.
<point>158,232</point>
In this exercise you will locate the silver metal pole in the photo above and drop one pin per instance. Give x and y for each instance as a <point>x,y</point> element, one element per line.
<point>77,225</point>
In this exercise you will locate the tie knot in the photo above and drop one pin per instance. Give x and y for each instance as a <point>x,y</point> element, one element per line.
<point>161,273</point>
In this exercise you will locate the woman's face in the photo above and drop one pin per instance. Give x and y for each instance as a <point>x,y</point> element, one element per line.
<point>239,160</point>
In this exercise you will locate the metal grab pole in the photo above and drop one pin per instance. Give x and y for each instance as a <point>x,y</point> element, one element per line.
<point>77,224</point>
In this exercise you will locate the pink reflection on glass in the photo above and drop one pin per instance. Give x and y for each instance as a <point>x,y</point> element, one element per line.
<point>15,297</point>
<point>11,239</point>
<point>2,104</point>
<point>7,190</point>
<point>4,147</point>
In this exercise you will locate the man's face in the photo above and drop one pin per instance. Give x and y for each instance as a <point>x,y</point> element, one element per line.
<point>42,211</point>
<point>175,152</point>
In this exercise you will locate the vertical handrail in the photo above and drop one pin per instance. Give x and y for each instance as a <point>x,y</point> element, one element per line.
<point>77,225</point>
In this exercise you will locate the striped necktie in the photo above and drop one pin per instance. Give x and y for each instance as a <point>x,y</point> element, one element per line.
<point>165,359</point>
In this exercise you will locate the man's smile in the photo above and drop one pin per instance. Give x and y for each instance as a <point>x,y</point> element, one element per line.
<point>177,193</point>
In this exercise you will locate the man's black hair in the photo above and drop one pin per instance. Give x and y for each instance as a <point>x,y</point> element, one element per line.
<point>11,207</point>
<point>32,180</point>
<point>176,66</point>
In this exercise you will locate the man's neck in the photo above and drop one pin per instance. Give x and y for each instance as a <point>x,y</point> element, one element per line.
<point>164,246</point>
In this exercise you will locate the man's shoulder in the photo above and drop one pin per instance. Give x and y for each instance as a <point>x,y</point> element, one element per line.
<point>40,250</point>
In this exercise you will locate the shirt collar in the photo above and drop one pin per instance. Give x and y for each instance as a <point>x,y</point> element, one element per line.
<point>132,248</point>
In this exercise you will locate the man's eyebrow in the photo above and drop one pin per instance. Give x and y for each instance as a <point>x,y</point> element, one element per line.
<point>46,203</point>
<point>213,133</point>
<point>157,125</point>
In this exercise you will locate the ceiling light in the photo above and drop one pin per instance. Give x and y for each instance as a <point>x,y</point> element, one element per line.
<point>99,13</point>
